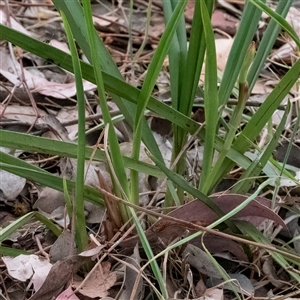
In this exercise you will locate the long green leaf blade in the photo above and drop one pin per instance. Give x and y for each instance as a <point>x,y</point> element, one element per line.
<point>211,99</point>
<point>80,230</point>
<point>26,142</point>
<point>244,36</point>
<point>148,85</point>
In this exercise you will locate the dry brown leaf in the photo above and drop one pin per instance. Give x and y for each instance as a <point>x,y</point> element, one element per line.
<point>171,287</point>
<point>200,260</point>
<point>60,274</point>
<point>223,47</point>
<point>14,24</point>
<point>189,10</point>
<point>67,294</point>
<point>288,52</point>
<point>293,17</point>
<point>165,231</point>
<point>11,185</point>
<point>6,218</point>
<point>24,114</point>
<point>60,45</point>
<point>70,114</point>
<point>113,214</point>
<point>217,244</point>
<point>94,213</point>
<point>104,23</point>
<point>36,81</point>
<point>37,9</point>
<point>225,22</point>
<point>131,276</point>
<point>213,294</point>
<point>49,200</point>
<point>63,247</point>
<point>196,211</point>
<point>90,252</point>
<point>24,267</point>
<point>240,282</point>
<point>100,281</point>
<point>270,271</point>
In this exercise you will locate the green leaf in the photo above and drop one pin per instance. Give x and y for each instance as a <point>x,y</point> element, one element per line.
<point>74,12</point>
<point>7,251</point>
<point>249,175</point>
<point>148,85</point>
<point>80,225</point>
<point>260,118</point>
<point>6,232</point>
<point>266,43</point>
<point>248,26</point>
<point>279,19</point>
<point>211,99</point>
<point>120,181</point>
<point>37,144</point>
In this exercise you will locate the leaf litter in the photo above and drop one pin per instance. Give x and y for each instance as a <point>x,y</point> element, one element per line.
<point>190,272</point>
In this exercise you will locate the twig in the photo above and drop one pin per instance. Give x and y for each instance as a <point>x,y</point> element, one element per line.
<point>42,251</point>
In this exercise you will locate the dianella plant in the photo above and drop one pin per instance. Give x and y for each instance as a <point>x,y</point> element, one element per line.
<point>225,140</point>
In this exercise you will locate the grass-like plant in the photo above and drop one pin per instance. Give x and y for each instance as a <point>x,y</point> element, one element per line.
<point>186,60</point>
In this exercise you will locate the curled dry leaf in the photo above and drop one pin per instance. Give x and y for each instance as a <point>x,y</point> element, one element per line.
<point>60,45</point>
<point>92,251</point>
<point>223,47</point>
<point>189,11</point>
<point>94,213</point>
<point>38,11</point>
<point>216,245</point>
<point>11,185</point>
<point>70,114</point>
<point>171,287</point>
<point>293,158</point>
<point>6,218</point>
